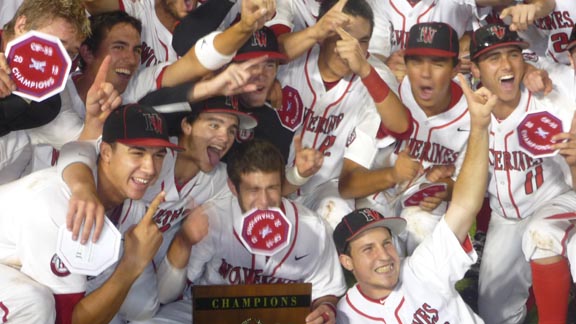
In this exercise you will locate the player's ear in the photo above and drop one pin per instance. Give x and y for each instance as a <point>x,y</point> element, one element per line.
<point>185,126</point>
<point>105,152</point>
<point>232,187</point>
<point>346,262</point>
<point>20,26</point>
<point>475,70</point>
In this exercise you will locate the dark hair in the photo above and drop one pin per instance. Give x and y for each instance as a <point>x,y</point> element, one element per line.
<point>454,60</point>
<point>253,156</point>
<point>356,8</point>
<point>101,24</point>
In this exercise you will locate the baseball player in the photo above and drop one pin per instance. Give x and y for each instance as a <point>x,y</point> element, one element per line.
<point>36,287</point>
<point>522,248</point>
<point>420,288</point>
<point>159,17</point>
<point>255,172</point>
<point>69,23</point>
<point>188,178</point>
<point>440,131</point>
<point>116,34</point>
<point>341,90</point>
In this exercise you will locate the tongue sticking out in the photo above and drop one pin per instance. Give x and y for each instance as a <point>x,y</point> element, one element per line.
<point>426,93</point>
<point>213,156</point>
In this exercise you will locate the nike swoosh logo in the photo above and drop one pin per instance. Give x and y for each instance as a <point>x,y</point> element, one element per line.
<point>300,257</point>
<point>462,129</point>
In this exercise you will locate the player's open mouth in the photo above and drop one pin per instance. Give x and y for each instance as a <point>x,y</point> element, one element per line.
<point>123,72</point>
<point>141,180</point>
<point>214,152</point>
<point>385,269</point>
<point>426,93</point>
<point>507,81</point>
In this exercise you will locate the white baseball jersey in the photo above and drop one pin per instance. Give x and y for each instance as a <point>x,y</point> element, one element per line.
<point>557,26</point>
<point>435,140</point>
<point>328,118</point>
<point>425,292</point>
<point>156,38</point>
<point>399,16</point>
<point>28,242</point>
<point>562,76</point>
<point>517,180</point>
<point>221,258</point>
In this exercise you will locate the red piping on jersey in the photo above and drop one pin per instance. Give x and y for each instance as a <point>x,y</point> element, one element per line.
<point>553,57</point>
<point>398,311</point>
<point>159,78</point>
<point>508,177</point>
<point>370,299</point>
<point>566,232</point>
<point>403,24</point>
<point>163,45</point>
<point>425,12</point>
<point>349,302</point>
<point>121,5</point>
<point>311,88</point>
<point>295,235</point>
<point>467,245</point>
<point>6,312</point>
<point>314,100</point>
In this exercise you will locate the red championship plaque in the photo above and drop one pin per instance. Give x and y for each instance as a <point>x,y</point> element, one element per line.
<point>535,133</point>
<point>39,65</point>
<point>265,231</point>
<point>428,190</point>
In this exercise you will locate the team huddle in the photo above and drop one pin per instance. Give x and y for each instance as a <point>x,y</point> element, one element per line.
<point>291,141</point>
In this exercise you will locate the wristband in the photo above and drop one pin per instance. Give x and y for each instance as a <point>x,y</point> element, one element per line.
<point>294,177</point>
<point>377,88</point>
<point>207,55</point>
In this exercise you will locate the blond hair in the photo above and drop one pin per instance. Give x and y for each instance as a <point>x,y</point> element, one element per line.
<point>39,13</point>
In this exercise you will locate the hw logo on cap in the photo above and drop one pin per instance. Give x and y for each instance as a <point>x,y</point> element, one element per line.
<point>427,34</point>
<point>498,31</point>
<point>154,123</point>
<point>259,39</point>
<point>369,214</point>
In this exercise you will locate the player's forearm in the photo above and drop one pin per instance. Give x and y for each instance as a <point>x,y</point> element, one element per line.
<point>230,40</point>
<point>296,43</point>
<point>573,173</point>
<point>361,182</point>
<point>186,69</point>
<point>101,305</point>
<point>543,7</point>
<point>179,252</point>
<point>470,186</point>
<point>100,6</point>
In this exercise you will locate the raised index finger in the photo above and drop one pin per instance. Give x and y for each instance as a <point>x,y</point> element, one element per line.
<point>148,217</point>
<point>102,71</point>
<point>339,5</point>
<point>465,86</point>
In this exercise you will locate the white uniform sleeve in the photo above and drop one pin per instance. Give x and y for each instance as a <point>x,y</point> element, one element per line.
<point>440,259</point>
<point>327,278</point>
<point>85,152</point>
<point>284,14</point>
<point>144,81</point>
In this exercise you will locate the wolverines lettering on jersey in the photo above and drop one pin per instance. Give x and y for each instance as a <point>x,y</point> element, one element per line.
<point>427,151</point>
<point>235,275</point>
<point>361,220</point>
<point>572,41</point>
<point>263,42</point>
<point>226,105</point>
<point>432,39</point>
<point>493,36</point>
<point>137,124</point>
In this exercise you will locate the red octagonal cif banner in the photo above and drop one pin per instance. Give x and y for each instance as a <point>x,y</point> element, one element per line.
<point>535,133</point>
<point>39,65</point>
<point>265,231</point>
